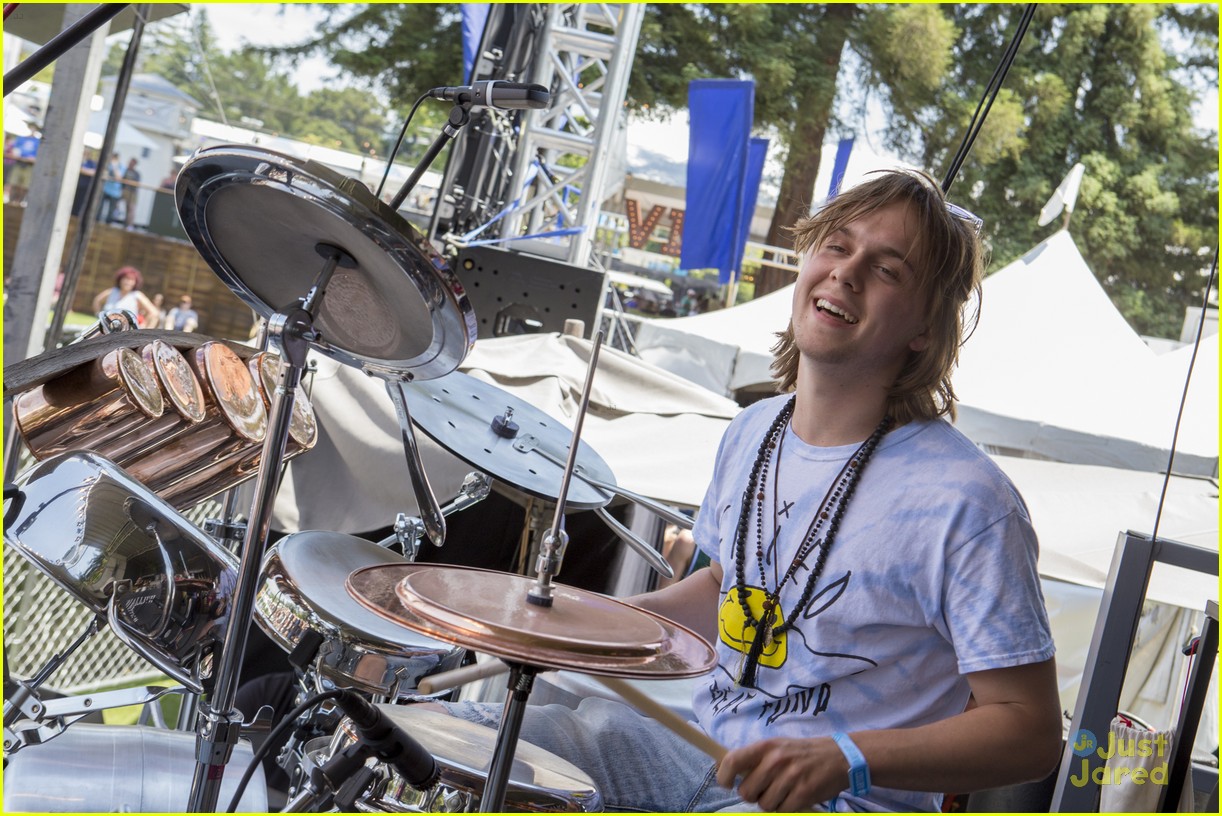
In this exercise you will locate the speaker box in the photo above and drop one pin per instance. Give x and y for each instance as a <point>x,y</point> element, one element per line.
<point>516,293</point>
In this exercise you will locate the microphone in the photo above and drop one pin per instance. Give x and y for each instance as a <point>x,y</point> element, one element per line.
<point>496,93</point>
<point>390,743</point>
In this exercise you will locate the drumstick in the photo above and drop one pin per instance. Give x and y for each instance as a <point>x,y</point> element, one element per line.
<point>444,681</point>
<point>682,728</point>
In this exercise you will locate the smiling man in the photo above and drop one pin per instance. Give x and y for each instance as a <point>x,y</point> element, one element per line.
<point>872,594</point>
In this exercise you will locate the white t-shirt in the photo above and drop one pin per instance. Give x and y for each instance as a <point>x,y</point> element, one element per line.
<point>931,575</point>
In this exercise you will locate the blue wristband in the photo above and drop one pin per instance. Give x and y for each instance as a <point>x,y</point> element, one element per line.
<point>859,771</point>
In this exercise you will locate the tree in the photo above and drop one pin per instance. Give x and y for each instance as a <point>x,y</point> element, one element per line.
<point>1096,84</point>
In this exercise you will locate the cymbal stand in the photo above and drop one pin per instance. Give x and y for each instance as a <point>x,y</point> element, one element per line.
<point>522,677</point>
<point>219,723</point>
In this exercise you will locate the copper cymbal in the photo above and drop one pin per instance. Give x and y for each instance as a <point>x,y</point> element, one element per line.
<point>259,219</point>
<point>487,611</point>
<point>457,411</point>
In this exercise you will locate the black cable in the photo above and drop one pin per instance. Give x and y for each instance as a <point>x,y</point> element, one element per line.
<point>398,143</point>
<point>1196,345</point>
<point>989,96</point>
<point>272,735</point>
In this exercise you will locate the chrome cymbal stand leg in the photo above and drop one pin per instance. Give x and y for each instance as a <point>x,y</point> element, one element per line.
<point>521,680</point>
<point>219,722</point>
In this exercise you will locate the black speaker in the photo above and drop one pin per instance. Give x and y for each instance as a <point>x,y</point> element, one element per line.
<point>516,293</point>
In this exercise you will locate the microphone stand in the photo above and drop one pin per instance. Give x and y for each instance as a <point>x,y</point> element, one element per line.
<point>460,116</point>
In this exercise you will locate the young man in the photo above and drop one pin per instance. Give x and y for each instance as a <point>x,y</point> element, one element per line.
<point>873,595</point>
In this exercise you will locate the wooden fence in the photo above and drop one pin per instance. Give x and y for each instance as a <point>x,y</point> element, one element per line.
<point>170,266</point>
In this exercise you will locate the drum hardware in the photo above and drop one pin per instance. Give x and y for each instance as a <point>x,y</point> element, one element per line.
<point>383,301</point>
<point>528,444</point>
<point>24,701</point>
<point>539,782</point>
<point>109,321</point>
<point>430,511</point>
<point>408,530</point>
<point>57,715</point>
<point>532,625</point>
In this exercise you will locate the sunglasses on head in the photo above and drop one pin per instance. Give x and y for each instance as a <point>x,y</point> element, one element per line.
<point>966,215</point>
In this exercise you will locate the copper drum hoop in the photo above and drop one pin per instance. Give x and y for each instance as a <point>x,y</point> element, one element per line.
<point>218,453</point>
<point>180,393</point>
<point>303,426</point>
<point>539,781</point>
<point>302,594</point>
<point>122,551</point>
<point>109,398</point>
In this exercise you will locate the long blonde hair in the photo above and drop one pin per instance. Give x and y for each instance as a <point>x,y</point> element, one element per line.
<point>949,263</point>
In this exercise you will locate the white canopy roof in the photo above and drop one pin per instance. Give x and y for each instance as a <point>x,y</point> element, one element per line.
<point>1052,368</point>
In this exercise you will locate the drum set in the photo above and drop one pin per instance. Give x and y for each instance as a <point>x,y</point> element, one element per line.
<point>131,427</point>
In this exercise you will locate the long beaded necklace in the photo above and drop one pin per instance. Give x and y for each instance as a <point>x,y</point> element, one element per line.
<point>831,509</point>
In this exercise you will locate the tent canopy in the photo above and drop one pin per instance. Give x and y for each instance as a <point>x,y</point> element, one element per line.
<point>1061,377</point>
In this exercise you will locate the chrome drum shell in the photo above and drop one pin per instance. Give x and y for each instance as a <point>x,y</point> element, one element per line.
<point>122,551</point>
<point>303,592</point>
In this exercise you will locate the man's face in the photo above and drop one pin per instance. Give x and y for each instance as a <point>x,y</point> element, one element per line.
<point>856,304</point>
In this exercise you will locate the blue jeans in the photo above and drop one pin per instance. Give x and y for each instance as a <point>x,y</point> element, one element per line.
<point>636,764</point>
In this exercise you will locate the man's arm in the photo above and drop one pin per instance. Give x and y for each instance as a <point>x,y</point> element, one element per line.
<point>1012,735</point>
<point>691,602</point>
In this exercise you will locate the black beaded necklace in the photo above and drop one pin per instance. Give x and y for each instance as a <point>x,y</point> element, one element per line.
<point>831,509</point>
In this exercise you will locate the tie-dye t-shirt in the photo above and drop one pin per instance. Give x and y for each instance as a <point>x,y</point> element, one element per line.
<point>931,575</point>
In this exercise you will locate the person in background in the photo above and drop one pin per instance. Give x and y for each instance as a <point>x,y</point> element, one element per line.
<point>126,294</point>
<point>112,190</point>
<point>159,305</point>
<point>182,317</point>
<point>872,596</point>
<point>131,184</point>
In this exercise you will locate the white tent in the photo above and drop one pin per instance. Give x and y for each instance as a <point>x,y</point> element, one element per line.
<point>1052,368</point>
<point>656,431</point>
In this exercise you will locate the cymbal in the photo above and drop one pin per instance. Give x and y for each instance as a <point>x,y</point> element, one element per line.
<point>457,411</point>
<point>261,219</point>
<point>40,369</point>
<point>487,611</point>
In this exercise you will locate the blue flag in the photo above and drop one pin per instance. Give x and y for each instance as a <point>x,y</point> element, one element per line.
<point>720,112</point>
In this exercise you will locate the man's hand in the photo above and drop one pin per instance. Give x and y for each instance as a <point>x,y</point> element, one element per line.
<point>785,774</point>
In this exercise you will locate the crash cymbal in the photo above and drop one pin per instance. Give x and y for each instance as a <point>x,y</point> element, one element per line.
<point>34,371</point>
<point>487,611</point>
<point>458,412</point>
<point>264,221</point>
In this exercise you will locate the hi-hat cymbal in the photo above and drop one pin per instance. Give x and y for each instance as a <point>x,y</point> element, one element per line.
<point>261,219</point>
<point>458,412</point>
<point>487,611</point>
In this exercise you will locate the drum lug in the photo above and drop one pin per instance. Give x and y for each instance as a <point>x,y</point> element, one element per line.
<point>221,530</point>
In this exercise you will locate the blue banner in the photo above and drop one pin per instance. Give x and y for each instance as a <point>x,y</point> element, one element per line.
<point>720,114</point>
<point>757,151</point>
<point>841,164</point>
<point>474,16</point>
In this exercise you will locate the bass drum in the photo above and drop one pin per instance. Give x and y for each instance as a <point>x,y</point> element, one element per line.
<point>539,781</point>
<point>119,769</point>
<point>303,596</point>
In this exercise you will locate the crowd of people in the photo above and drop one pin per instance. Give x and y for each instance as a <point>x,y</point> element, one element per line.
<point>150,312</point>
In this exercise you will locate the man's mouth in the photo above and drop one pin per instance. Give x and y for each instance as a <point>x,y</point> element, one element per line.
<point>828,307</point>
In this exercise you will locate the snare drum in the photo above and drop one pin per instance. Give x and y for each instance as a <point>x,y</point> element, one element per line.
<point>539,782</point>
<point>303,592</point>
